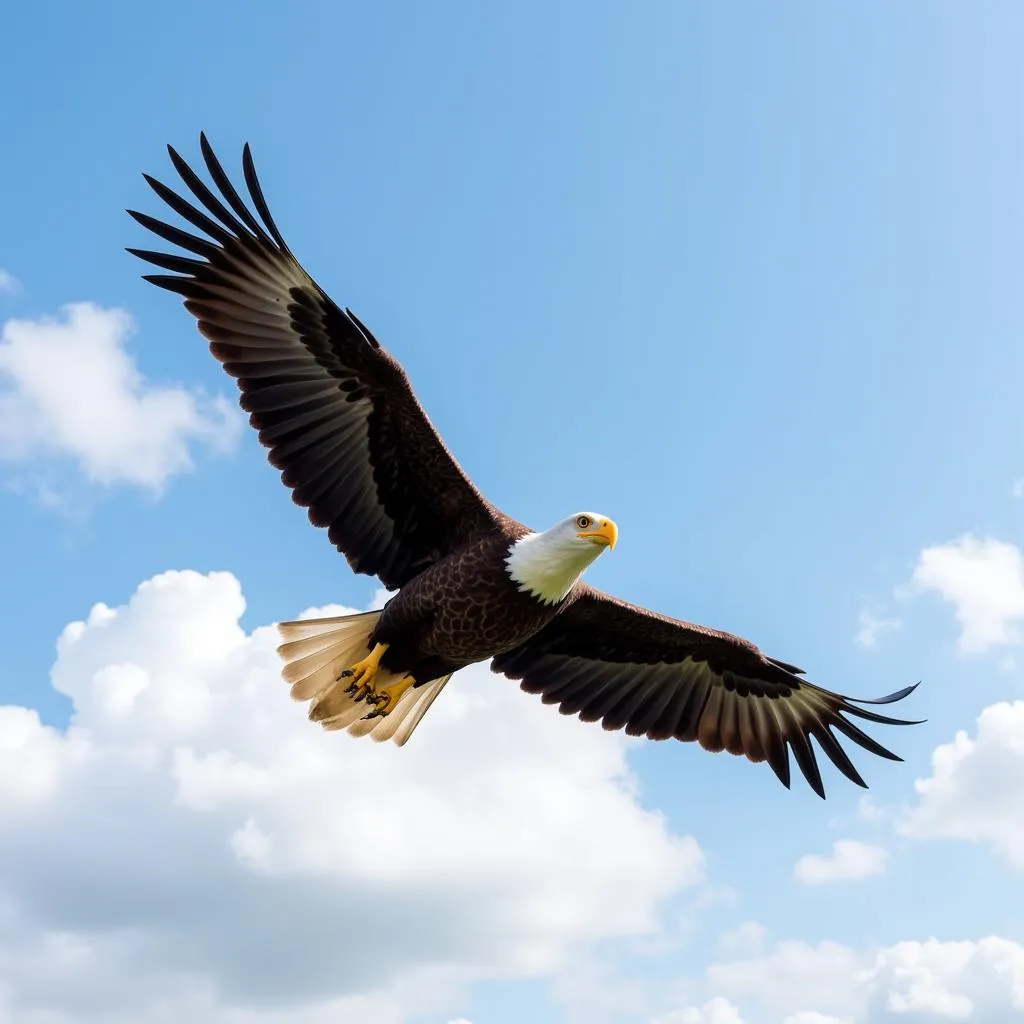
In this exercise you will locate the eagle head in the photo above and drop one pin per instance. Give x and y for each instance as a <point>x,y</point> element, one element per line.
<point>548,565</point>
<point>590,528</point>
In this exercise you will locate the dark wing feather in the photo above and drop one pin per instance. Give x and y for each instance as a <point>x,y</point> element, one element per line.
<point>335,409</point>
<point>653,676</point>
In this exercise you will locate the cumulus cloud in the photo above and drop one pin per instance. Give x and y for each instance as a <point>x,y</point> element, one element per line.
<point>192,848</point>
<point>983,578</point>
<point>746,937</point>
<point>793,977</point>
<point>812,1017</point>
<point>976,981</point>
<point>69,389</point>
<point>721,1011</point>
<point>871,626</point>
<point>380,597</point>
<point>849,859</point>
<point>980,981</point>
<point>8,282</point>
<point>974,790</point>
<point>714,1011</point>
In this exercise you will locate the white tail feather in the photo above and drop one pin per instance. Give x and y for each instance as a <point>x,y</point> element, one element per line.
<point>399,724</point>
<point>315,651</point>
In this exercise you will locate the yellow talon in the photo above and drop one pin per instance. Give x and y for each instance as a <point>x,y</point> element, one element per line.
<point>362,673</point>
<point>386,699</point>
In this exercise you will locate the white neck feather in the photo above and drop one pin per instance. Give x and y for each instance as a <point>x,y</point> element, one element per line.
<point>548,566</point>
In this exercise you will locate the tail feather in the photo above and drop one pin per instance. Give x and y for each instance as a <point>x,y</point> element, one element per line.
<point>402,728</point>
<point>349,717</point>
<point>399,724</point>
<point>319,671</point>
<point>303,651</point>
<point>316,629</point>
<point>315,651</point>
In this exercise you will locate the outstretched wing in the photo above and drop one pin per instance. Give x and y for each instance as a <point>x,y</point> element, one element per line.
<point>335,409</point>
<point>610,661</point>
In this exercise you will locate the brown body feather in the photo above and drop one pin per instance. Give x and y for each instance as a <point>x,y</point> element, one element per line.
<point>460,611</point>
<point>342,424</point>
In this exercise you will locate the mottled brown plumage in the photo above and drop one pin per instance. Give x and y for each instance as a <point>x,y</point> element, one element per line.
<point>462,610</point>
<point>353,444</point>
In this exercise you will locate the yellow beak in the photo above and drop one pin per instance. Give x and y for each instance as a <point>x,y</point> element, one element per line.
<point>605,533</point>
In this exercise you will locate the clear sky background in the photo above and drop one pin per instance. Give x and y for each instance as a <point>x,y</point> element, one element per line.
<point>746,277</point>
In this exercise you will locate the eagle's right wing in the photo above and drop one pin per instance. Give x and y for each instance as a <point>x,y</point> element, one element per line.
<point>335,409</point>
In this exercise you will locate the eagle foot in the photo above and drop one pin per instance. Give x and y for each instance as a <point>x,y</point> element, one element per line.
<point>362,673</point>
<point>388,696</point>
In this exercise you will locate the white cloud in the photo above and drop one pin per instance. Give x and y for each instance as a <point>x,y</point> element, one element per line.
<point>849,859</point>
<point>977,981</point>
<point>793,977</point>
<point>746,937</point>
<point>871,626</point>
<point>8,282</point>
<point>380,597</point>
<point>714,1011</point>
<point>192,848</point>
<point>593,988</point>
<point>984,579</point>
<point>721,1011</point>
<point>981,981</point>
<point>811,1017</point>
<point>869,810</point>
<point>69,389</point>
<point>974,790</point>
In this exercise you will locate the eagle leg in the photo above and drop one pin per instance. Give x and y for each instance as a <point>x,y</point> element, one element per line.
<point>362,673</point>
<point>389,696</point>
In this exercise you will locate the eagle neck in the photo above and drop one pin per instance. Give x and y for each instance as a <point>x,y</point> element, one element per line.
<point>546,567</point>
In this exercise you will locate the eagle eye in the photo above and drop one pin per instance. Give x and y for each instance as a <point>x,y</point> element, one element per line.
<point>583,522</point>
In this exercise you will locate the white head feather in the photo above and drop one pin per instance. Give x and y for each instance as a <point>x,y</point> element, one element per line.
<point>548,565</point>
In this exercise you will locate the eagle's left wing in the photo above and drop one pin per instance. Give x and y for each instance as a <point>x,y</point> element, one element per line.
<point>627,667</point>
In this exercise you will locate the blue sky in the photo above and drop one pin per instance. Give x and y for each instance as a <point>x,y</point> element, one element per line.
<point>745,277</point>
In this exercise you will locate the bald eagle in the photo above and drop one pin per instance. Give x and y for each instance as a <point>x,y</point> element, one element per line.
<point>341,422</point>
